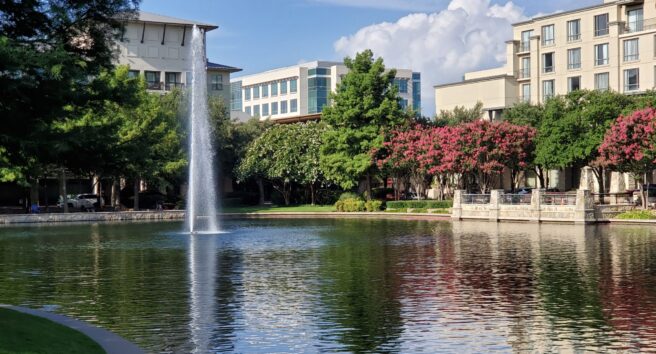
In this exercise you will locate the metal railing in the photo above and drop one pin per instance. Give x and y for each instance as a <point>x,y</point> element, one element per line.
<point>547,42</point>
<point>601,61</point>
<point>548,69</point>
<point>641,25</point>
<point>515,199</point>
<point>171,85</point>
<point>574,66</point>
<point>524,73</point>
<point>601,31</point>
<point>524,47</point>
<point>558,199</point>
<point>631,57</point>
<point>475,199</point>
<point>613,198</point>
<point>154,85</point>
<point>574,37</point>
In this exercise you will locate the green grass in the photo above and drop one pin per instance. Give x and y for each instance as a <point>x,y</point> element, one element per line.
<point>637,215</point>
<point>280,209</point>
<point>27,334</point>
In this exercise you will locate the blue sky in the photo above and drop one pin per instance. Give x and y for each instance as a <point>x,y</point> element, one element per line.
<point>257,35</point>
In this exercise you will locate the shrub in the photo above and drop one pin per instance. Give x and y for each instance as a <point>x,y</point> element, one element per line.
<point>373,205</point>
<point>637,215</point>
<point>420,204</point>
<point>349,195</point>
<point>419,210</point>
<point>350,205</point>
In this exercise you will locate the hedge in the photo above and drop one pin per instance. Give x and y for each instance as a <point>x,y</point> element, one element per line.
<point>420,204</point>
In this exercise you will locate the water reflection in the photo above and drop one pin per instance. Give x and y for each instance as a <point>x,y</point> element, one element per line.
<point>345,286</point>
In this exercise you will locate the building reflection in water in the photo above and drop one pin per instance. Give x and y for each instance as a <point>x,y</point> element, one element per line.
<point>202,272</point>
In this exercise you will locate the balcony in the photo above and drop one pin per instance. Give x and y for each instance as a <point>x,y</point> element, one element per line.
<point>574,66</point>
<point>171,85</point>
<point>524,47</point>
<point>639,26</point>
<point>548,69</point>
<point>154,85</point>
<point>574,38</point>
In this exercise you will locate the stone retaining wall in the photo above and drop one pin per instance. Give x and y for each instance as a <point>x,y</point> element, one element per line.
<point>92,217</point>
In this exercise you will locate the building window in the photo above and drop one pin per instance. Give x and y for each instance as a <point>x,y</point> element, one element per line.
<point>152,80</point>
<point>548,62</point>
<point>602,82</point>
<point>265,90</point>
<point>274,89</point>
<point>283,107</point>
<point>318,92</point>
<point>601,54</point>
<point>573,83</point>
<point>402,85</point>
<point>601,25</point>
<point>631,50</point>
<point>248,110</point>
<point>283,87</point>
<point>235,96</point>
<point>265,110</point>
<point>574,30</point>
<point>634,21</point>
<point>525,71</point>
<point>256,92</point>
<point>525,43</point>
<point>217,82</point>
<point>403,103</point>
<point>173,80</point>
<point>574,58</point>
<point>631,80</point>
<point>293,86</point>
<point>293,105</point>
<point>416,92</point>
<point>256,110</point>
<point>547,89</point>
<point>133,74</point>
<point>548,35</point>
<point>247,94</point>
<point>274,108</point>
<point>526,93</point>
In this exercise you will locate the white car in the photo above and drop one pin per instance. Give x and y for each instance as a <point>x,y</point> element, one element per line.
<point>84,202</point>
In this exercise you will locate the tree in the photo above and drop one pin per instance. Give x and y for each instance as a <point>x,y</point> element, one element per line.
<point>459,115</point>
<point>286,154</point>
<point>531,115</point>
<point>630,145</point>
<point>399,158</point>
<point>365,104</point>
<point>48,52</point>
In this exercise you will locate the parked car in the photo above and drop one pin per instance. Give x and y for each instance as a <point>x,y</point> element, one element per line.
<point>84,202</point>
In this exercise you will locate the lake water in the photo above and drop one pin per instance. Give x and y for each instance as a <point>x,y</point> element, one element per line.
<point>344,285</point>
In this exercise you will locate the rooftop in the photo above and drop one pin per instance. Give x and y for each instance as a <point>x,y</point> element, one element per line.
<point>150,17</point>
<point>216,66</point>
<point>310,64</point>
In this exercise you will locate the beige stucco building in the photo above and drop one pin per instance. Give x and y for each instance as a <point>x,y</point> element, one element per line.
<point>610,46</point>
<point>159,47</point>
<point>301,91</point>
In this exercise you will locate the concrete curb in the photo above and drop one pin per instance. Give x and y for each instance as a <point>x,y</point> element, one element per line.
<point>110,342</point>
<point>632,221</point>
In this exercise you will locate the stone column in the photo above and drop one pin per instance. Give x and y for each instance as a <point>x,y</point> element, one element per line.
<point>584,211</point>
<point>456,210</point>
<point>495,196</point>
<point>617,185</point>
<point>536,201</point>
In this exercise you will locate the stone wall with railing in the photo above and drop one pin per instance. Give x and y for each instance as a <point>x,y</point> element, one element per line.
<point>538,206</point>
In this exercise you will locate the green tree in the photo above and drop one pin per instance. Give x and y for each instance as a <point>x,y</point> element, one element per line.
<point>48,52</point>
<point>365,104</point>
<point>459,115</point>
<point>286,154</point>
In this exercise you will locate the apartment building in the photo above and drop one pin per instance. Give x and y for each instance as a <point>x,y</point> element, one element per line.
<point>299,92</point>
<point>610,46</point>
<point>159,47</point>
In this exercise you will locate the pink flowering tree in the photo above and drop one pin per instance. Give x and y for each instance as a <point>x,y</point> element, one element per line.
<point>630,145</point>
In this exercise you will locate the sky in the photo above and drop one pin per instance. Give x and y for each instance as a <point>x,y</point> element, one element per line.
<point>442,39</point>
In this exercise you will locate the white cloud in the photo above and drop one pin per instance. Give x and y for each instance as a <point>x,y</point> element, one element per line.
<point>468,35</point>
<point>408,5</point>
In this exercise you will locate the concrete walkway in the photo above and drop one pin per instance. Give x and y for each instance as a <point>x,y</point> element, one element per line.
<point>110,342</point>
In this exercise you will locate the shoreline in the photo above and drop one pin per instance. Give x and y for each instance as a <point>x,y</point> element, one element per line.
<point>179,215</point>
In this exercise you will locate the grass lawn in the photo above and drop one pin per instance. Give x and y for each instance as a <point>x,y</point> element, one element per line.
<point>280,209</point>
<point>23,333</point>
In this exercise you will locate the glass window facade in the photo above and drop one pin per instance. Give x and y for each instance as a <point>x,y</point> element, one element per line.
<point>574,58</point>
<point>173,80</point>
<point>235,96</point>
<point>274,89</point>
<point>601,54</point>
<point>133,74</point>
<point>216,82</point>
<point>601,25</point>
<point>525,43</point>
<point>573,83</point>
<point>631,80</point>
<point>265,110</point>
<point>318,91</point>
<point>256,110</point>
<point>548,63</point>
<point>631,50</point>
<point>416,92</point>
<point>247,94</point>
<point>283,87</point>
<point>274,108</point>
<point>547,89</point>
<point>283,107</point>
<point>152,80</point>
<point>319,71</point>
<point>402,85</point>
<point>602,82</point>
<point>526,93</point>
<point>293,86</point>
<point>293,105</point>
<point>403,103</point>
<point>548,35</point>
<point>265,90</point>
<point>248,110</point>
<point>634,21</point>
<point>256,92</point>
<point>573,30</point>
